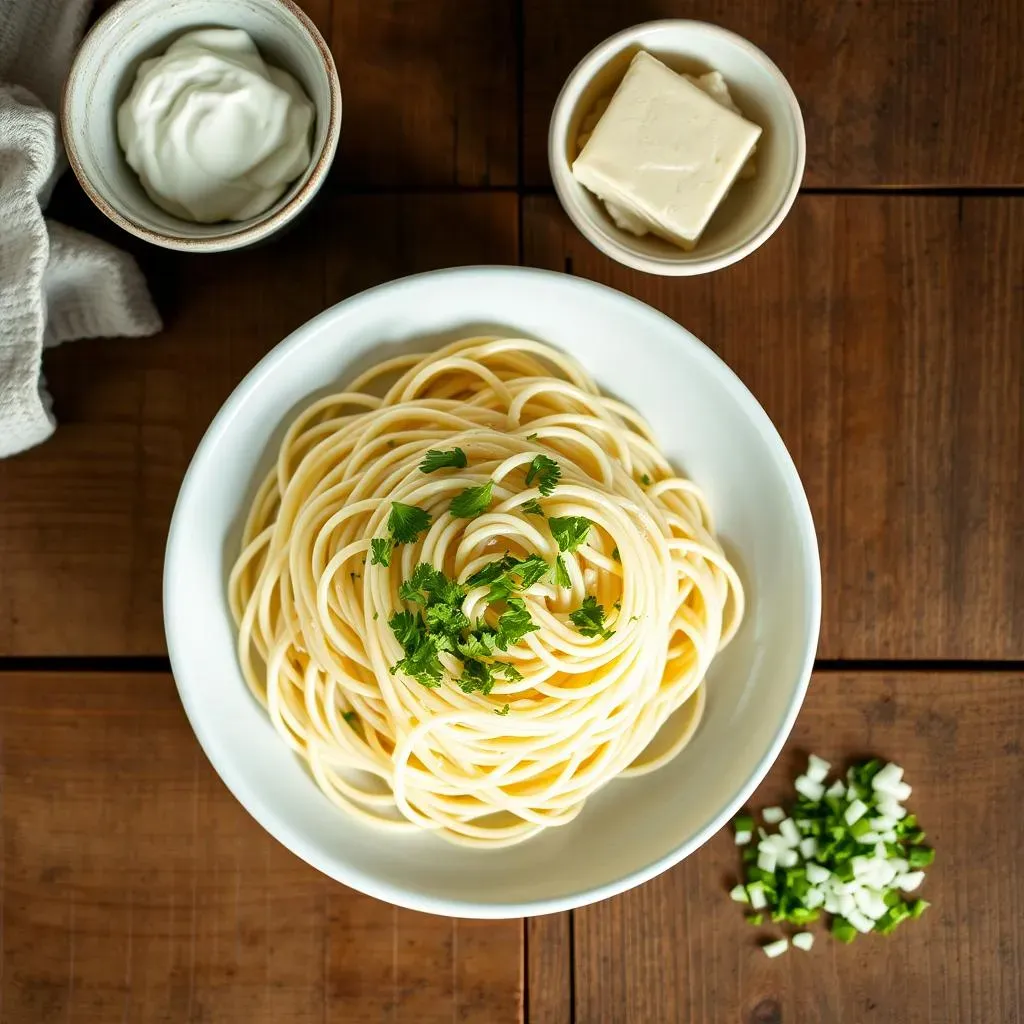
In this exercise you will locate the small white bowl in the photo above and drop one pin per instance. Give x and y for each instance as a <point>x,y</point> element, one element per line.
<point>103,73</point>
<point>753,209</point>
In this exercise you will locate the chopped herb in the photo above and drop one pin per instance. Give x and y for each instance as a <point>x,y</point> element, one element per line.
<point>421,661</point>
<point>446,618</point>
<point>472,501</point>
<point>514,624</point>
<point>508,670</point>
<point>407,522</point>
<point>546,472</point>
<point>645,480</point>
<point>434,460</point>
<point>569,531</point>
<point>531,437</point>
<point>481,644</point>
<point>353,576</point>
<point>589,619</point>
<point>476,677</point>
<point>562,578</point>
<point>616,555</point>
<point>351,717</point>
<point>502,711</point>
<point>532,508</point>
<point>381,548</point>
<point>376,616</point>
<point>508,574</point>
<point>617,606</point>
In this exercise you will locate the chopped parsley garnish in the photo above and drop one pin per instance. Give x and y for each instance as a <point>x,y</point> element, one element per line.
<point>645,480</point>
<point>434,460</point>
<point>502,711</point>
<point>472,501</point>
<point>531,437</point>
<point>569,531</point>
<point>532,508</point>
<point>546,472</point>
<point>562,578</point>
<point>514,624</point>
<point>442,626</point>
<point>589,619</point>
<point>508,574</point>
<point>351,717</point>
<point>476,677</point>
<point>381,547</point>
<point>407,522</point>
<point>616,555</point>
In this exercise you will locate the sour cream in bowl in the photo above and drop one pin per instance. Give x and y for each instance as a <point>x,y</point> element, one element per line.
<point>202,125</point>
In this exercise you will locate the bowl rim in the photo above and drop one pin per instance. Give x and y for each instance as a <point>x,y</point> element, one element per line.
<point>262,809</point>
<point>233,239</point>
<point>568,190</point>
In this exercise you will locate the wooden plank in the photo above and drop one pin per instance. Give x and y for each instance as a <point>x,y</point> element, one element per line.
<point>549,969</point>
<point>429,92</point>
<point>883,337</point>
<point>83,518</point>
<point>134,887</point>
<point>931,99</point>
<point>677,950</point>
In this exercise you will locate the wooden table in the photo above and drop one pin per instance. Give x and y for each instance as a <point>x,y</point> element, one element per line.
<point>882,330</point>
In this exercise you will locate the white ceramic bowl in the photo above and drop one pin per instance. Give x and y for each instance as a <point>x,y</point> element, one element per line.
<point>752,210</point>
<point>103,73</point>
<point>710,427</point>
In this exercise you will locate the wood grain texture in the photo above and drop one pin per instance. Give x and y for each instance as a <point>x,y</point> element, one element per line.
<point>549,969</point>
<point>893,92</point>
<point>83,518</point>
<point>429,92</point>
<point>883,337</point>
<point>677,949</point>
<point>134,888</point>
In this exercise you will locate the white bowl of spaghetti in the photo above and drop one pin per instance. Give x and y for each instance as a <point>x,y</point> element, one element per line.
<point>491,592</point>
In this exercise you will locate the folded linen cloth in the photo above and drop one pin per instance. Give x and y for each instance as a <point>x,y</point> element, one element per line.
<point>56,284</point>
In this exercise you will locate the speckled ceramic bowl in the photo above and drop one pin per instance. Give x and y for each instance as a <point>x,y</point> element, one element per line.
<point>103,73</point>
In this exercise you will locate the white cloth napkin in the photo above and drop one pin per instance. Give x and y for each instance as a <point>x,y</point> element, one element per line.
<point>56,284</point>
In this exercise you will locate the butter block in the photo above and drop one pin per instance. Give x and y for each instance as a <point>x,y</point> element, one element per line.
<point>664,154</point>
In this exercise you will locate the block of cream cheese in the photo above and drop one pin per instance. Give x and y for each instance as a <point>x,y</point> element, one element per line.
<point>664,154</point>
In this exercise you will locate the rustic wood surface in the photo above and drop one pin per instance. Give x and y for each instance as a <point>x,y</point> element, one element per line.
<point>135,888</point>
<point>882,330</point>
<point>676,949</point>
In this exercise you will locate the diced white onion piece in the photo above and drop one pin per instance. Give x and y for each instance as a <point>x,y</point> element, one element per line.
<point>888,776</point>
<point>869,838</point>
<point>761,833</point>
<point>862,923</point>
<point>854,812</point>
<point>901,791</point>
<point>910,881</point>
<point>831,904</point>
<point>789,859</point>
<point>813,898</point>
<point>777,948</point>
<point>891,808</point>
<point>847,905</point>
<point>744,837</point>
<point>808,847</point>
<point>809,788</point>
<point>882,823</point>
<point>862,866</point>
<point>803,940</point>
<point>870,904</point>
<point>899,865</point>
<point>739,894</point>
<point>789,831</point>
<point>816,874</point>
<point>880,851</point>
<point>773,815</point>
<point>836,789</point>
<point>888,836</point>
<point>845,888</point>
<point>758,901</point>
<point>817,768</point>
<point>766,860</point>
<point>883,875</point>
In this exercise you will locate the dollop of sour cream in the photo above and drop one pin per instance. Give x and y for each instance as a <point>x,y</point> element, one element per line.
<point>213,132</point>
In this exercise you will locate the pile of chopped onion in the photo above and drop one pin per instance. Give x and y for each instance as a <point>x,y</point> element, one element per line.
<point>849,849</point>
